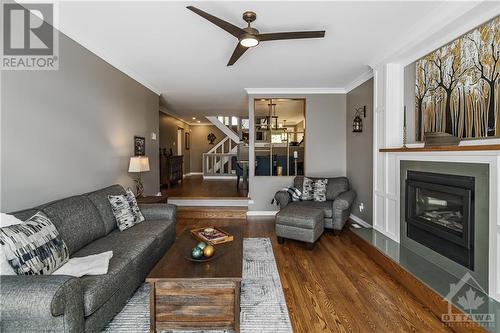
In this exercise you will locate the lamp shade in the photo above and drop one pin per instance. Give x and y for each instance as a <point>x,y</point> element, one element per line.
<point>138,164</point>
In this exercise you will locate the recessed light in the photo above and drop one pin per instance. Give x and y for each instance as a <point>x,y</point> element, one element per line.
<point>194,118</point>
<point>198,121</point>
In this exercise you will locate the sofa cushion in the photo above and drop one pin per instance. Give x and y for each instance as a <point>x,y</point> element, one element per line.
<point>326,206</point>
<point>336,186</point>
<point>23,215</point>
<point>100,200</point>
<point>132,249</point>
<point>77,221</point>
<point>97,289</point>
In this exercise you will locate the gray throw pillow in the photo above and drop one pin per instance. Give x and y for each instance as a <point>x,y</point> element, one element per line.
<point>34,247</point>
<point>138,217</point>
<point>307,189</point>
<point>320,189</point>
<point>121,210</point>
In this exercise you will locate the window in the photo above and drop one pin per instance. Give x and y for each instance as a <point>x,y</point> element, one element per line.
<point>279,136</point>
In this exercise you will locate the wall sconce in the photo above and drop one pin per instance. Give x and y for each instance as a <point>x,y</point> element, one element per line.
<point>357,124</point>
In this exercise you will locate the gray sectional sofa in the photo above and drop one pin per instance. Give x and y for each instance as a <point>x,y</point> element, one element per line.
<point>336,208</point>
<point>86,223</point>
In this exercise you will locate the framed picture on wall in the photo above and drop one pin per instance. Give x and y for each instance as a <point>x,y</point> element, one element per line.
<point>139,146</point>
<point>187,141</point>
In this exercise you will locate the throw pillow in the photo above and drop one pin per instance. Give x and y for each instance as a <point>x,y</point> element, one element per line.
<point>122,212</point>
<point>34,247</point>
<point>138,217</point>
<point>5,221</point>
<point>320,189</point>
<point>307,189</point>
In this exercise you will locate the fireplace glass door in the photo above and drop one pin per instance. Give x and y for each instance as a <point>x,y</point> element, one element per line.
<point>440,208</point>
<point>440,214</point>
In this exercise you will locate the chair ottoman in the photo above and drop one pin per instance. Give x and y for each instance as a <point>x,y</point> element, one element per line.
<point>300,223</point>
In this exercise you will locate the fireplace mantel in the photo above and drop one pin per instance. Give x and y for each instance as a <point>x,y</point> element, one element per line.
<point>440,148</point>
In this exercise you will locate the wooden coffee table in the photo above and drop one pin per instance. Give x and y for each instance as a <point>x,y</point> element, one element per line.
<point>188,295</point>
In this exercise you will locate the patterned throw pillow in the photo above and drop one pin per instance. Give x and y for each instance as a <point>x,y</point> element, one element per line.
<point>34,247</point>
<point>307,189</point>
<point>121,210</point>
<point>320,189</point>
<point>138,217</point>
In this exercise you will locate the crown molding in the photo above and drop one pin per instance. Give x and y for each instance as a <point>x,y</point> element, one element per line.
<point>359,80</point>
<point>294,91</point>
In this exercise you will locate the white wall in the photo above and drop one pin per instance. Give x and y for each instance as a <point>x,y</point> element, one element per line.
<point>325,145</point>
<point>70,131</point>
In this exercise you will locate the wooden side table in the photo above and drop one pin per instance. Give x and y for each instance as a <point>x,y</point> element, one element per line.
<point>152,199</point>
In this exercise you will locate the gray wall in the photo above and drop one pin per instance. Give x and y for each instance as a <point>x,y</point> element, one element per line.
<point>168,137</point>
<point>360,150</point>
<point>69,131</point>
<point>325,142</point>
<point>200,145</point>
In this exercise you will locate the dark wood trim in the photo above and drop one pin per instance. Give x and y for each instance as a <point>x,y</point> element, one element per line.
<point>432,300</point>
<point>212,212</point>
<point>440,148</point>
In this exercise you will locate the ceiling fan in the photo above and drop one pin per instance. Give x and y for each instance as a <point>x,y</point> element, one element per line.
<point>249,37</point>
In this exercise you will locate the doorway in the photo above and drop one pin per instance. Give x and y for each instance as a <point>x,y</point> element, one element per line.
<point>180,131</point>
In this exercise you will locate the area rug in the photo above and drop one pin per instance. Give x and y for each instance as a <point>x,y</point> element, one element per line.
<point>263,306</point>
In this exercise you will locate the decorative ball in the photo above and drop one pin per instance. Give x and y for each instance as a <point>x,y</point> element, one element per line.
<point>196,253</point>
<point>208,231</point>
<point>208,251</point>
<point>201,245</point>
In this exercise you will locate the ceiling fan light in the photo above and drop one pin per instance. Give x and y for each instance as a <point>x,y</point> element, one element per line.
<point>249,41</point>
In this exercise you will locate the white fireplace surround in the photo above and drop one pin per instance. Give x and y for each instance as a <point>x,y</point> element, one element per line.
<point>387,133</point>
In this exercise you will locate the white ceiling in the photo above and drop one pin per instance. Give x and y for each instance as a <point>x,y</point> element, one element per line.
<point>182,56</point>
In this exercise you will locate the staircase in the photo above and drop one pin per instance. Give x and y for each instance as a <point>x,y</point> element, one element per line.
<point>225,128</point>
<point>218,161</point>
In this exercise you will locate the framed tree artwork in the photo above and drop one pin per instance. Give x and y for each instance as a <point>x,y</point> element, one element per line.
<point>457,86</point>
<point>139,146</point>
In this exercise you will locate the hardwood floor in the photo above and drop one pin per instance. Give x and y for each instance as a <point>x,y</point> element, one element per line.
<point>335,287</point>
<point>196,186</point>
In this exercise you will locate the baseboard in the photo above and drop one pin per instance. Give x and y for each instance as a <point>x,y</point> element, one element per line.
<point>360,221</point>
<point>192,174</point>
<point>219,177</point>
<point>197,202</point>
<point>261,213</point>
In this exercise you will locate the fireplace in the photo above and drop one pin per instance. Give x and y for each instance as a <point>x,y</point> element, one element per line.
<point>440,214</point>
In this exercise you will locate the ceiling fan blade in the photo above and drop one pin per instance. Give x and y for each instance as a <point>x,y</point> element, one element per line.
<point>237,53</point>
<point>291,35</point>
<point>231,28</point>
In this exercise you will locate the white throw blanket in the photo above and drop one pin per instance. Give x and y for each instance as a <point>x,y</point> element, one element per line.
<point>96,264</point>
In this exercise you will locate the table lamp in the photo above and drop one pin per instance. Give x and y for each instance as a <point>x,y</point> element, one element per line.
<point>139,164</point>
